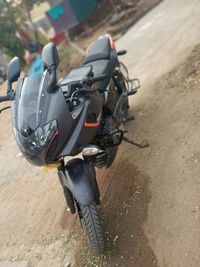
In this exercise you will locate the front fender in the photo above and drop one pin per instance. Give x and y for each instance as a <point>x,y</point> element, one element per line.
<point>80,179</point>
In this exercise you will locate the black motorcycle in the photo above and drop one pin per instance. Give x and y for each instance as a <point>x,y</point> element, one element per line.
<point>83,113</point>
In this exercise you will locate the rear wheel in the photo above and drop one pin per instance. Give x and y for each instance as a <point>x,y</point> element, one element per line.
<point>93,227</point>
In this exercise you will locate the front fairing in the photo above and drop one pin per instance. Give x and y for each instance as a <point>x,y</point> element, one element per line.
<point>45,127</point>
<point>29,103</point>
<point>38,119</point>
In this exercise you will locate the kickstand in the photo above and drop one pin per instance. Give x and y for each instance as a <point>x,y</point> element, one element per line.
<point>144,144</point>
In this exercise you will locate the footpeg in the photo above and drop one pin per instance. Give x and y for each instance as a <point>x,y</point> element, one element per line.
<point>129,118</point>
<point>144,144</point>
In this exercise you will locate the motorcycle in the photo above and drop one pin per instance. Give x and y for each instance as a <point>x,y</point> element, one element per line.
<point>84,113</point>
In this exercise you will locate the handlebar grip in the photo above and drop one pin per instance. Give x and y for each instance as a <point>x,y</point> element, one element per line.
<point>4,98</point>
<point>100,78</point>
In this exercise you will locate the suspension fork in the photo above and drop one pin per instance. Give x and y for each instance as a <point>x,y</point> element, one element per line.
<point>78,179</point>
<point>67,193</point>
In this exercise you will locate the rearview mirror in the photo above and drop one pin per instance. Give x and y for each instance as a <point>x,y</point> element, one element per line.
<point>50,56</point>
<point>14,70</point>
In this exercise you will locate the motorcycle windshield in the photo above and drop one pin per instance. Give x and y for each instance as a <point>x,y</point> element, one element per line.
<point>29,105</point>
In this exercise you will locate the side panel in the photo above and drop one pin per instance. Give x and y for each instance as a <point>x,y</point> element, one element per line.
<point>82,135</point>
<point>81,181</point>
<point>56,108</point>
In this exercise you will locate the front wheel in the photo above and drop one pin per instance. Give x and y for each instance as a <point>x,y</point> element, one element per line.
<point>93,227</point>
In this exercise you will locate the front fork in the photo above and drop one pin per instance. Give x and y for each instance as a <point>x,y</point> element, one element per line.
<point>80,187</point>
<point>67,193</point>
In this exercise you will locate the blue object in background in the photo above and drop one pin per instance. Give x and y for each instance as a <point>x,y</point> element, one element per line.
<point>83,9</point>
<point>75,11</point>
<point>37,66</point>
<point>66,21</point>
<point>56,12</point>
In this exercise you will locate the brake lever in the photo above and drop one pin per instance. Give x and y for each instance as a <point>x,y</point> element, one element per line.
<point>5,98</point>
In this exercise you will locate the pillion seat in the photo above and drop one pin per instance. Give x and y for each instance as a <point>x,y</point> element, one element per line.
<point>99,50</point>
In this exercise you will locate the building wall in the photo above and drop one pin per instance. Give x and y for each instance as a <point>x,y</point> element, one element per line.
<point>104,9</point>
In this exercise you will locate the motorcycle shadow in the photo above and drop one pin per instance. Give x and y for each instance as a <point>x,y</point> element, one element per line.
<point>124,210</point>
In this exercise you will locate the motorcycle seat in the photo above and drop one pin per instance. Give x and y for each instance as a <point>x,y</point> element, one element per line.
<point>99,50</point>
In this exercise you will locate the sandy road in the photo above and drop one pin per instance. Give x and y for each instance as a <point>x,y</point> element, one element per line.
<point>159,187</point>
<point>161,40</point>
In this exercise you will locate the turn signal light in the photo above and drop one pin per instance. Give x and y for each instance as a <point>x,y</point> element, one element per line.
<point>91,150</point>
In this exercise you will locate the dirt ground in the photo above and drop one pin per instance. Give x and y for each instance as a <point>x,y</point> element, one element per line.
<point>35,227</point>
<point>150,198</point>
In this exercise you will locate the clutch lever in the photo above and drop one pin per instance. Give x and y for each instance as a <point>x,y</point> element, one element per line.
<point>5,98</point>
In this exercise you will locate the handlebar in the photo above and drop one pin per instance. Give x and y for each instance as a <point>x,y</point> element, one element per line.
<point>87,81</point>
<point>4,98</point>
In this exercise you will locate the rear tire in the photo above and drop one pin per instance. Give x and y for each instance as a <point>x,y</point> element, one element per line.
<point>93,227</point>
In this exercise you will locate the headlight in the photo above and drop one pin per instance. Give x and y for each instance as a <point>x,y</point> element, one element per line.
<point>36,146</point>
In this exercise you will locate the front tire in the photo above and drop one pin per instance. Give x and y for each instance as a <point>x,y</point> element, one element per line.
<point>93,227</point>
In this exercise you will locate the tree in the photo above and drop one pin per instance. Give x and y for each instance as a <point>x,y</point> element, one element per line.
<point>29,4</point>
<point>9,43</point>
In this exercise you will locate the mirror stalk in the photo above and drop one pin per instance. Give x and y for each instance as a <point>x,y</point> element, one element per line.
<point>10,91</point>
<point>52,83</point>
<point>51,60</point>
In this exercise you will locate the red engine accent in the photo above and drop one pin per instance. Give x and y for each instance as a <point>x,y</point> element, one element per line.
<point>56,133</point>
<point>95,124</point>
